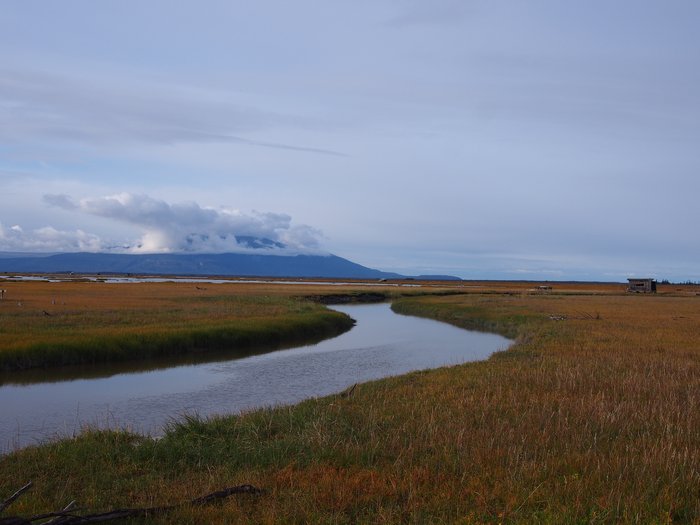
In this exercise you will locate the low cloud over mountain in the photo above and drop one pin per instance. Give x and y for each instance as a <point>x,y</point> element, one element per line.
<point>167,228</point>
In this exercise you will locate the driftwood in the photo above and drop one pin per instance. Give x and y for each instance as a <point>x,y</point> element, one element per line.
<point>586,315</point>
<point>16,495</point>
<point>67,515</point>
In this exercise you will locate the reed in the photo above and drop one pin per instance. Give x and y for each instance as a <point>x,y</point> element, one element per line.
<point>590,418</point>
<point>53,324</point>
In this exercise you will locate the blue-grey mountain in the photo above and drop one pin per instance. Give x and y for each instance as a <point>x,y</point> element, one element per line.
<point>223,264</point>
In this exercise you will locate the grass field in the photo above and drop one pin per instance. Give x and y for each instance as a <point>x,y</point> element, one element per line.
<point>591,417</point>
<point>59,323</point>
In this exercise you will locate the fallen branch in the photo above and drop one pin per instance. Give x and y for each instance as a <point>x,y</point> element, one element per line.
<point>66,517</point>
<point>16,495</point>
<point>59,519</point>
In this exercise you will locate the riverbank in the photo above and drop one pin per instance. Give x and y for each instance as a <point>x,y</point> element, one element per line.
<point>65,323</point>
<point>381,344</point>
<point>590,418</point>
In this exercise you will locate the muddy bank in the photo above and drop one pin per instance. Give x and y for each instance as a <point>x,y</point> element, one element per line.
<point>349,298</point>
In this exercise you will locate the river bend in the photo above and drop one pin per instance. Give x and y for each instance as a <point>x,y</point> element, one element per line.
<point>381,344</point>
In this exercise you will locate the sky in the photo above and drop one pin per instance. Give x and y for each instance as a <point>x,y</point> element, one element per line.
<point>539,140</point>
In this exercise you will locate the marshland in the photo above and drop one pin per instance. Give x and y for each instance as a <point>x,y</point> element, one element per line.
<point>589,417</point>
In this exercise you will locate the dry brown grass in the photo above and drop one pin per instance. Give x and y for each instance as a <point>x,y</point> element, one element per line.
<point>37,312</point>
<point>590,419</point>
<point>55,323</point>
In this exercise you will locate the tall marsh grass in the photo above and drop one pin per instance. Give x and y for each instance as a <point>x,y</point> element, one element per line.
<point>590,418</point>
<point>51,324</point>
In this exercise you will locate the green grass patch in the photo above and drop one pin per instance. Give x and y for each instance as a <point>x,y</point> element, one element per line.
<point>68,337</point>
<point>505,316</point>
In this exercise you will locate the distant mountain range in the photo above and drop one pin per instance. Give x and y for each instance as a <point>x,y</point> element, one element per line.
<point>224,264</point>
<point>220,264</point>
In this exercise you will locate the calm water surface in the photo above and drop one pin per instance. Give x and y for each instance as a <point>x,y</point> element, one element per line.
<point>381,344</point>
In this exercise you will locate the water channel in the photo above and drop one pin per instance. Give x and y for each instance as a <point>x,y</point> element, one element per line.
<point>36,408</point>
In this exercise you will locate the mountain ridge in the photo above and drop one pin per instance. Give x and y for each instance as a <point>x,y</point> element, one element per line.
<point>224,264</point>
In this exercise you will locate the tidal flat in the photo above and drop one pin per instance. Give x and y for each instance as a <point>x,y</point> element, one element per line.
<point>591,417</point>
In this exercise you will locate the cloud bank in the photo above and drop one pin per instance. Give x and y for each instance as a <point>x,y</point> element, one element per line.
<point>47,239</point>
<point>183,227</point>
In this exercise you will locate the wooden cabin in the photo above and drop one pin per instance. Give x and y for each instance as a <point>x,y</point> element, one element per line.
<point>641,285</point>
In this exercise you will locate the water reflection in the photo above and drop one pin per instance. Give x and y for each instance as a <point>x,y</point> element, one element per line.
<point>105,370</point>
<point>381,344</point>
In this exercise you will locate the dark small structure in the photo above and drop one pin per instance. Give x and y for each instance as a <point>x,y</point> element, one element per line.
<point>642,285</point>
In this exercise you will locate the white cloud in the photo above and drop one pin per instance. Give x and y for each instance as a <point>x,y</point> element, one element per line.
<point>47,239</point>
<point>189,227</point>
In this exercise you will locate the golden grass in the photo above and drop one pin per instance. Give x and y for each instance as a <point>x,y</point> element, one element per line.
<point>590,419</point>
<point>55,323</point>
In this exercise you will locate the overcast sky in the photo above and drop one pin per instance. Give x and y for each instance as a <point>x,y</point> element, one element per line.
<point>485,139</point>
